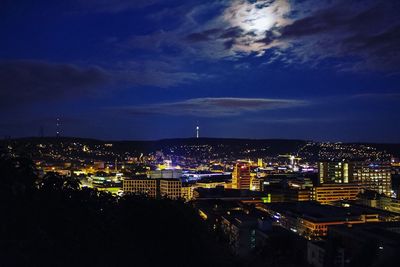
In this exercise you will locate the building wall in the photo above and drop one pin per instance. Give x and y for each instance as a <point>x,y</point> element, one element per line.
<point>170,188</point>
<point>389,204</point>
<point>374,176</point>
<point>140,186</point>
<point>187,192</point>
<point>166,174</point>
<point>241,176</point>
<point>315,254</point>
<point>334,172</point>
<point>328,193</point>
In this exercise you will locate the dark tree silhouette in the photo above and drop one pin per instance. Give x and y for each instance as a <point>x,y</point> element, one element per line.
<point>52,222</point>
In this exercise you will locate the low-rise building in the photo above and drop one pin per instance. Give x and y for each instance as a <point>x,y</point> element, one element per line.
<point>312,220</point>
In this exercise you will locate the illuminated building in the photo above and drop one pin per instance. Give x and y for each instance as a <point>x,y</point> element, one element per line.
<point>166,174</point>
<point>217,168</point>
<point>334,172</point>
<point>146,187</point>
<point>327,193</point>
<point>374,200</point>
<point>370,175</point>
<point>255,183</point>
<point>374,176</point>
<point>312,220</point>
<point>170,188</point>
<point>298,195</point>
<point>210,184</point>
<point>99,165</point>
<point>260,163</point>
<point>187,192</point>
<point>389,204</point>
<point>241,176</point>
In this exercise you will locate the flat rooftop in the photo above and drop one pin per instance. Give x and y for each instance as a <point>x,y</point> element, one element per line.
<point>316,212</point>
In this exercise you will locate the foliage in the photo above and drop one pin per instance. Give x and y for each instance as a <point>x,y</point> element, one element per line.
<point>51,221</point>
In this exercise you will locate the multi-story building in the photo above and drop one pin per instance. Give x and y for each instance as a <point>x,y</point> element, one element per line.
<point>334,172</point>
<point>374,176</point>
<point>241,176</point>
<point>312,220</point>
<point>241,232</point>
<point>187,192</point>
<point>170,188</point>
<point>380,201</point>
<point>166,174</point>
<point>255,183</point>
<point>146,187</point>
<point>327,193</point>
<point>210,184</point>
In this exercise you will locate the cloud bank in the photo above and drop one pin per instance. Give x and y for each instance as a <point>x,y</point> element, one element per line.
<point>31,81</point>
<point>363,35</point>
<point>213,107</point>
<point>24,82</point>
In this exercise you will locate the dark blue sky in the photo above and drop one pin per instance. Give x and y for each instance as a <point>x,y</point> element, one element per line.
<point>151,69</point>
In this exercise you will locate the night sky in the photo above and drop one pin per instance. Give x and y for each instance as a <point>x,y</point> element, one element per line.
<point>151,69</point>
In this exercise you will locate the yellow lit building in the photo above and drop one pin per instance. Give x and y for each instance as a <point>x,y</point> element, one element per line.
<point>210,184</point>
<point>333,192</point>
<point>141,186</point>
<point>255,183</point>
<point>187,192</point>
<point>241,176</point>
<point>334,172</point>
<point>374,176</point>
<point>170,188</point>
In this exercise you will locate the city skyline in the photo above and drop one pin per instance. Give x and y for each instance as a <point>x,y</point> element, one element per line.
<point>149,70</point>
<point>200,133</point>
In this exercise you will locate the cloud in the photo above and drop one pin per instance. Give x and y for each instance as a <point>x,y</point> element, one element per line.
<point>162,73</point>
<point>29,81</point>
<point>363,35</point>
<point>157,78</point>
<point>295,120</point>
<point>213,107</point>
<point>376,96</point>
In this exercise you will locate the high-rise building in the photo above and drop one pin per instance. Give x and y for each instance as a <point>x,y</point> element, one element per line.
<point>260,163</point>
<point>334,172</point>
<point>241,176</point>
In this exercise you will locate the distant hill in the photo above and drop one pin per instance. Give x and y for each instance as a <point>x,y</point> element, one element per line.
<point>203,147</point>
